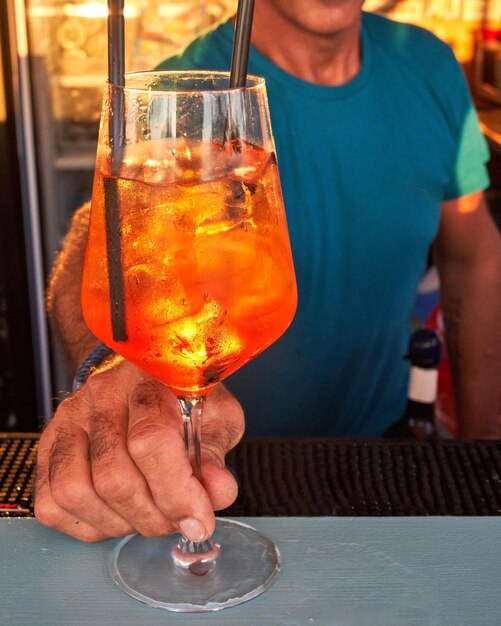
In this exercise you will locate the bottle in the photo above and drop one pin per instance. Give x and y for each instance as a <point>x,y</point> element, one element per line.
<point>418,420</point>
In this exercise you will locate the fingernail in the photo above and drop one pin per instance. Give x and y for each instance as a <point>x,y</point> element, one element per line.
<point>192,529</point>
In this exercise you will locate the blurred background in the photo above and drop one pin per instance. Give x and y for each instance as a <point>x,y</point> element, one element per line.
<point>53,55</point>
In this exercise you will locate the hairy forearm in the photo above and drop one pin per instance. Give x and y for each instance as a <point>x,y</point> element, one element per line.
<point>471,305</point>
<point>63,296</point>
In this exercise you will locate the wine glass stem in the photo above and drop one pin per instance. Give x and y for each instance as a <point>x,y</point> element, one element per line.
<point>188,553</point>
<point>191,411</point>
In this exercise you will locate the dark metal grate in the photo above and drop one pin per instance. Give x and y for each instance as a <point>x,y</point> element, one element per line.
<point>321,476</point>
<point>308,477</point>
<point>17,461</point>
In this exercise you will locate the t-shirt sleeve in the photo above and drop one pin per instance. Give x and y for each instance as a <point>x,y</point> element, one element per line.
<point>472,153</point>
<point>469,170</point>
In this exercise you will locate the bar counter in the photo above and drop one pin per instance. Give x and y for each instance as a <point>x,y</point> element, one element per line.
<point>434,571</point>
<point>371,533</point>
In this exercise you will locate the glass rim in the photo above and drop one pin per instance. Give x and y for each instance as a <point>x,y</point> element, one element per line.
<point>258,82</point>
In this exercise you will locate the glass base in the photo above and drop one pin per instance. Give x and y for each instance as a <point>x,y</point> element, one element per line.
<point>246,565</point>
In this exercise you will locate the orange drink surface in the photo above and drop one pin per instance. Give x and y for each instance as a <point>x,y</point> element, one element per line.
<point>207,267</point>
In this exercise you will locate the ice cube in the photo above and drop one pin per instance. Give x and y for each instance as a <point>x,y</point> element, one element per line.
<point>156,161</point>
<point>227,207</point>
<point>156,298</point>
<point>224,262</point>
<point>247,161</point>
<point>202,339</point>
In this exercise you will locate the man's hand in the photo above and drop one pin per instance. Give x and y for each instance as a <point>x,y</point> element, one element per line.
<point>112,460</point>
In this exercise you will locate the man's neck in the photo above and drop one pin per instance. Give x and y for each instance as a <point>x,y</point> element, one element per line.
<point>323,58</point>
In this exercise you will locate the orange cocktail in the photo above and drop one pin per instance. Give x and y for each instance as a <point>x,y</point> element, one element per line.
<point>188,274</point>
<point>208,274</point>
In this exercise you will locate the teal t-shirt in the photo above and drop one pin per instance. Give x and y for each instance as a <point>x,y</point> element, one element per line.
<point>364,168</point>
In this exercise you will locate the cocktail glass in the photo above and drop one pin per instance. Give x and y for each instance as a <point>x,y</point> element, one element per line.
<point>207,283</point>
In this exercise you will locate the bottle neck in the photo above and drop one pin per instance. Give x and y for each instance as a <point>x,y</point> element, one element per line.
<point>421,411</point>
<point>422,385</point>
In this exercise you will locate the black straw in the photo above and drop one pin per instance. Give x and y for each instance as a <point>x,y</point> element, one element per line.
<point>241,43</point>
<point>116,77</point>
<point>239,56</point>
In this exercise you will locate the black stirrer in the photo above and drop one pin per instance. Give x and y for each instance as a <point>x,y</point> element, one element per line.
<point>241,43</point>
<point>239,54</point>
<point>116,78</point>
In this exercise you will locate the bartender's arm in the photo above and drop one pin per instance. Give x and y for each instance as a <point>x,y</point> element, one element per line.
<point>112,460</point>
<point>468,256</point>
